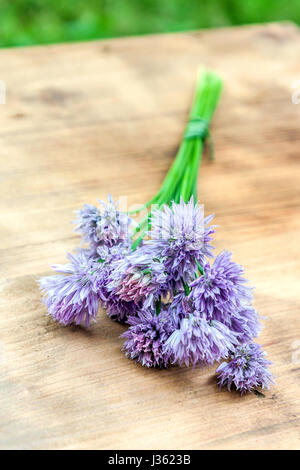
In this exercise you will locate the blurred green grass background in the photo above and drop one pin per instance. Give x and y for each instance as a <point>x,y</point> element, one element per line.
<point>27,22</point>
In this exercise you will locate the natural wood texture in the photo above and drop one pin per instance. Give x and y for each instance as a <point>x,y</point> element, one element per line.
<point>83,120</point>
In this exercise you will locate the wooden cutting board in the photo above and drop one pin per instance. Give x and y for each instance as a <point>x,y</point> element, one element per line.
<point>85,119</point>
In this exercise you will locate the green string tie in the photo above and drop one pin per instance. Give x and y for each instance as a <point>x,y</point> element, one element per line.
<point>196,128</point>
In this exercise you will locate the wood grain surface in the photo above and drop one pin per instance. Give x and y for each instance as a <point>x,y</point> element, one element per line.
<point>82,120</point>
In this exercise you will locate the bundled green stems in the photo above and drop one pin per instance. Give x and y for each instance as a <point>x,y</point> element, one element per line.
<point>181,179</point>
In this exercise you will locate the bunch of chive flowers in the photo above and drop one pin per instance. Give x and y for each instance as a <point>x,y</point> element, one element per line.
<point>182,305</point>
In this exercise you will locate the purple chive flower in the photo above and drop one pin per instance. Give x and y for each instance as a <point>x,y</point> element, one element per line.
<point>200,341</point>
<point>140,277</point>
<point>180,234</point>
<point>105,257</point>
<point>221,290</point>
<point>116,308</point>
<point>245,322</point>
<point>109,227</point>
<point>87,220</point>
<point>246,369</point>
<point>179,308</point>
<point>173,316</point>
<point>146,337</point>
<point>119,310</point>
<point>71,296</point>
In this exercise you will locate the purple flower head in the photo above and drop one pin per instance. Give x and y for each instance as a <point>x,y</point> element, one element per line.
<point>139,277</point>
<point>221,290</point>
<point>180,234</point>
<point>109,227</point>
<point>180,308</point>
<point>200,341</point>
<point>87,220</point>
<point>119,310</point>
<point>245,322</point>
<point>246,369</point>
<point>146,337</point>
<point>116,308</point>
<point>71,296</point>
<point>105,257</point>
